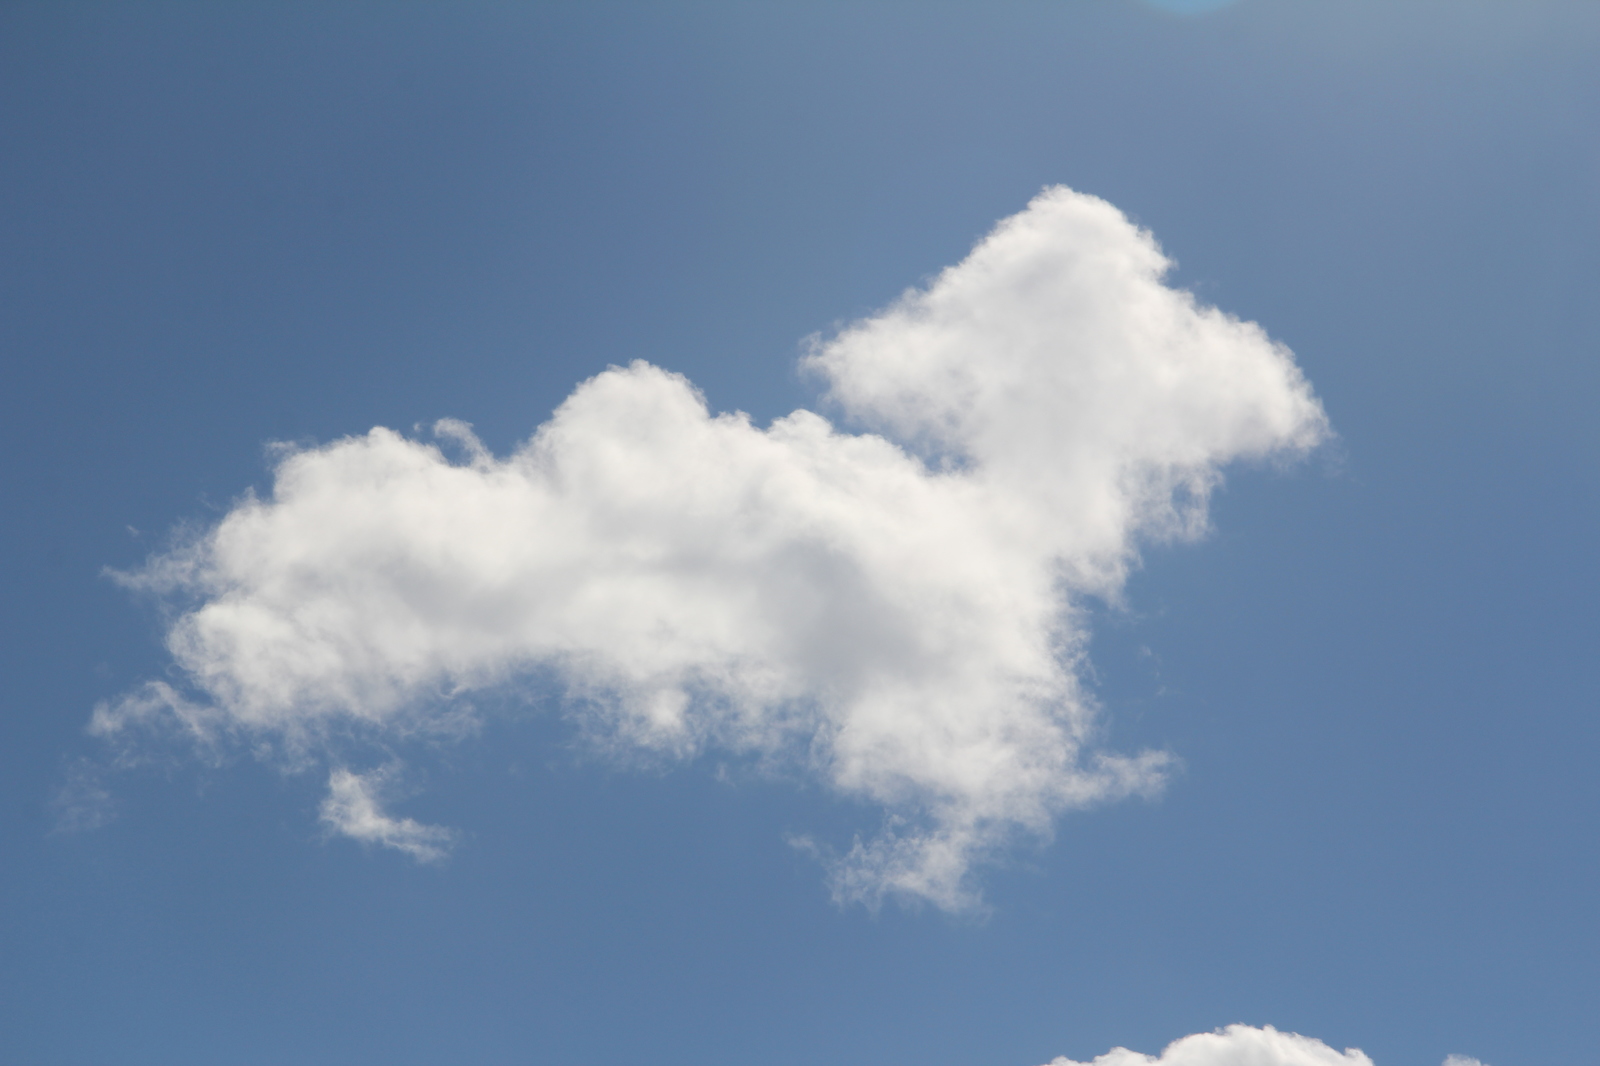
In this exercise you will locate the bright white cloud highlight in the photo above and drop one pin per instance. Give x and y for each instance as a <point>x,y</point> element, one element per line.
<point>352,808</point>
<point>1237,1045</point>
<point>895,612</point>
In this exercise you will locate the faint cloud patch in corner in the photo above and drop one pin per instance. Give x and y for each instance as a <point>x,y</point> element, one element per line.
<point>354,808</point>
<point>82,801</point>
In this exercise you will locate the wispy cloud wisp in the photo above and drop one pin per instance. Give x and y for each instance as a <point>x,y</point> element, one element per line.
<point>353,809</point>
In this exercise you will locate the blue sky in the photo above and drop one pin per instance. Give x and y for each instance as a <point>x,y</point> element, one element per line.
<point>1322,762</point>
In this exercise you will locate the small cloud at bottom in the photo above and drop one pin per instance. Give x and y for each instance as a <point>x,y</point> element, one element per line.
<point>1244,1045</point>
<point>1236,1045</point>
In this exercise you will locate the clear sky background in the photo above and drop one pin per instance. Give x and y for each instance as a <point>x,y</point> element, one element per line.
<point>225,225</point>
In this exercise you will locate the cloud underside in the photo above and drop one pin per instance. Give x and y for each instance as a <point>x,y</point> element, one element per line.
<point>894,611</point>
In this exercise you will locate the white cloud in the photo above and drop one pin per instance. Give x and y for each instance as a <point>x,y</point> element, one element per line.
<point>352,808</point>
<point>1462,1060</point>
<point>1237,1045</point>
<point>902,620</point>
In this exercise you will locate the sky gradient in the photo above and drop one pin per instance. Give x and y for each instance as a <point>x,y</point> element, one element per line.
<point>1346,618</point>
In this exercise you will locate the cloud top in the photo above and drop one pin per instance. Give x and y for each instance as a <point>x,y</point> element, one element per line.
<point>1243,1045</point>
<point>1237,1045</point>
<point>896,611</point>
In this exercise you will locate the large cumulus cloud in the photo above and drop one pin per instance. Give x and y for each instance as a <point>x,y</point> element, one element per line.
<point>894,609</point>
